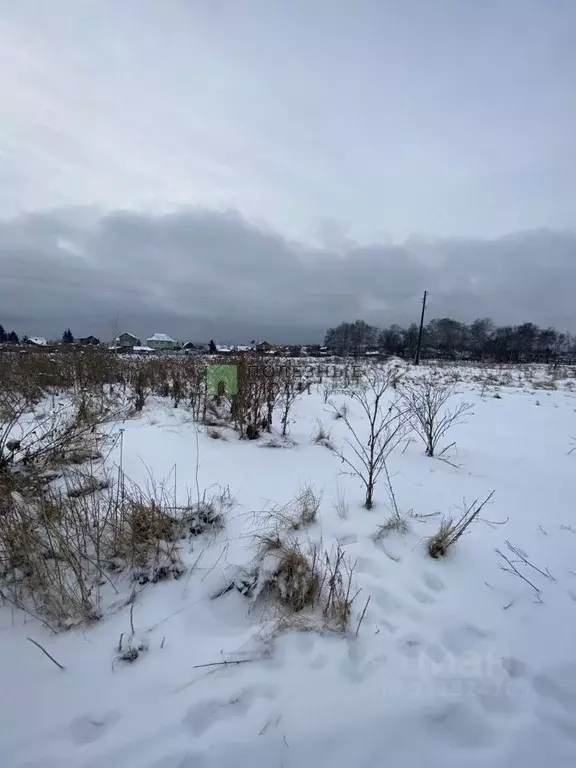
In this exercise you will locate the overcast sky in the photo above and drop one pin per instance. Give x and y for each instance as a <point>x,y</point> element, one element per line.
<point>334,159</point>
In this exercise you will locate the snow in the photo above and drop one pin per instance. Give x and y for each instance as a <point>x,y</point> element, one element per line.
<point>39,341</point>
<point>160,337</point>
<point>456,663</point>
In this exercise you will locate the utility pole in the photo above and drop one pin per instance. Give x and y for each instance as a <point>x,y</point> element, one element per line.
<point>419,347</point>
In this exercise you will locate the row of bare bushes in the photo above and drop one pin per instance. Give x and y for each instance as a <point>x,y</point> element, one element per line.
<point>69,532</point>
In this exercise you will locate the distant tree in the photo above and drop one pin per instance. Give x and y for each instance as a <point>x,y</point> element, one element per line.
<point>25,338</point>
<point>410,339</point>
<point>446,336</point>
<point>351,338</point>
<point>525,338</point>
<point>67,336</point>
<point>3,336</point>
<point>480,332</point>
<point>391,340</point>
<point>548,344</point>
<point>212,347</point>
<point>502,344</point>
<point>12,338</point>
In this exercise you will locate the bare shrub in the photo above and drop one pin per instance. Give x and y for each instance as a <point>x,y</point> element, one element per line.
<point>290,391</point>
<point>337,590</point>
<point>451,530</point>
<point>397,522</point>
<point>327,390</point>
<point>141,389</point>
<point>251,409</point>
<point>517,563</point>
<point>426,398</point>
<point>386,428</point>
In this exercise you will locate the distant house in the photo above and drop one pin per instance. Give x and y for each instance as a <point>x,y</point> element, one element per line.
<point>264,346</point>
<point>36,341</point>
<point>127,341</point>
<point>189,348</point>
<point>161,341</point>
<point>89,341</point>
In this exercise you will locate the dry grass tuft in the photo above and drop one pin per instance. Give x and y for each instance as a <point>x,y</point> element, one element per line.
<point>216,434</point>
<point>439,543</point>
<point>301,590</point>
<point>340,504</point>
<point>86,485</point>
<point>450,529</point>
<point>296,578</point>
<point>341,412</point>
<point>323,437</point>
<point>337,590</point>
<point>297,514</point>
<point>548,385</point>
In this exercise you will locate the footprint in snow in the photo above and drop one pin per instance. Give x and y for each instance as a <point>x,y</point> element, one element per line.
<point>514,667</point>
<point>464,638</point>
<point>562,694</point>
<point>390,604</point>
<point>319,662</point>
<point>433,582</point>
<point>305,642</point>
<point>423,597</point>
<point>89,728</point>
<point>497,702</point>
<point>364,565</point>
<point>207,713</point>
<point>565,725</point>
<point>413,646</point>
<point>461,725</point>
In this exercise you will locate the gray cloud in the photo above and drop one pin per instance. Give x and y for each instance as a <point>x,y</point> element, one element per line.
<point>430,116</point>
<point>198,274</point>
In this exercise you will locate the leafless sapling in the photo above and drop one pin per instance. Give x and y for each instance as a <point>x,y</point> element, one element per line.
<point>425,399</point>
<point>387,424</point>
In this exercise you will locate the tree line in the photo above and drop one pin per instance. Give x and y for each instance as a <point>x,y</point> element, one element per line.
<point>8,338</point>
<point>451,339</point>
<point>13,338</point>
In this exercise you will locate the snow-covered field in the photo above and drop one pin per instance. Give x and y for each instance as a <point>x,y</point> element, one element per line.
<point>456,661</point>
